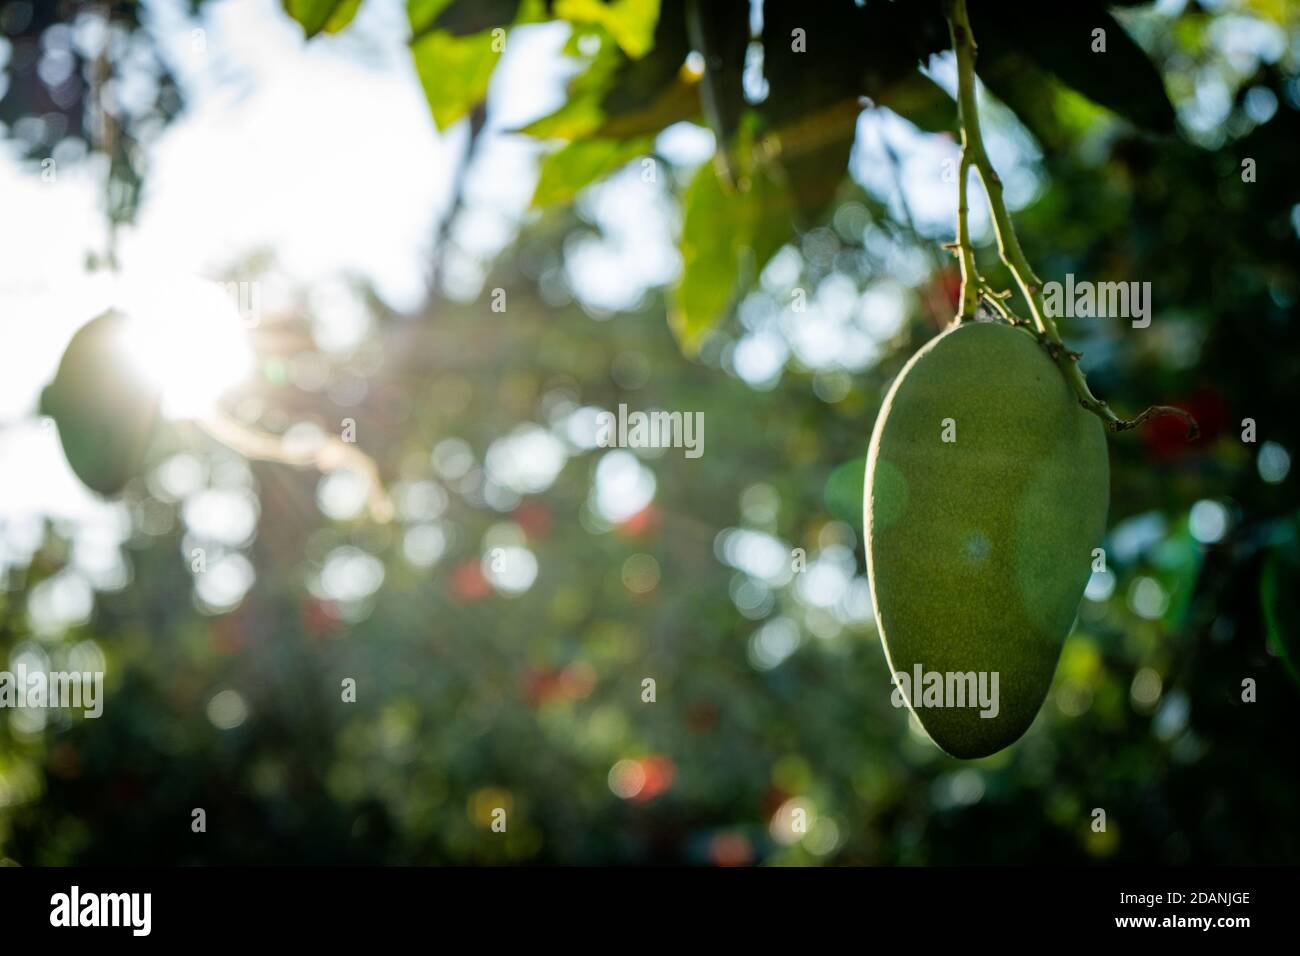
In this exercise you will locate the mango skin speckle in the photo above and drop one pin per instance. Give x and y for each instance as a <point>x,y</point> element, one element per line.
<point>979,549</point>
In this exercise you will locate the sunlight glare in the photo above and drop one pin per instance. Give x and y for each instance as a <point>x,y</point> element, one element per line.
<point>187,337</point>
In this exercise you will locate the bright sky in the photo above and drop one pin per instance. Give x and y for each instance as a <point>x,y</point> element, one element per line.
<point>323,152</point>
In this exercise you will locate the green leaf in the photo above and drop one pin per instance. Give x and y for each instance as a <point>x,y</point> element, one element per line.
<point>652,92</point>
<point>1178,561</point>
<point>1122,78</point>
<point>620,98</point>
<point>921,101</point>
<point>819,60</point>
<point>1027,91</point>
<point>814,152</point>
<point>678,102</point>
<point>712,227</point>
<point>725,234</point>
<point>630,22</point>
<point>818,55</point>
<point>315,16</point>
<point>570,169</point>
<point>581,112</point>
<point>577,118</point>
<point>1279,584</point>
<point>454,72</point>
<point>719,29</point>
<point>772,212</point>
<point>464,17</point>
<point>422,13</point>
<point>585,116</point>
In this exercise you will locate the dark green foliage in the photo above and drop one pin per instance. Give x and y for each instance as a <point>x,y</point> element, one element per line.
<point>462,18</point>
<point>1120,77</point>
<point>719,30</point>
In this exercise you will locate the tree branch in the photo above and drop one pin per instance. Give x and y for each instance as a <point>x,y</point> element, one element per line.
<point>974,154</point>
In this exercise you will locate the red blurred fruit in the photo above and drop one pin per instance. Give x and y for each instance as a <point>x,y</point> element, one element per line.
<point>319,618</point>
<point>534,517</point>
<point>642,523</point>
<point>468,583</point>
<point>730,849</point>
<point>659,774</point>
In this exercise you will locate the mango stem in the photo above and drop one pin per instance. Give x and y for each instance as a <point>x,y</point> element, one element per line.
<point>973,154</point>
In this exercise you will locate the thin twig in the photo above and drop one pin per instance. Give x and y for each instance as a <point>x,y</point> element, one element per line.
<point>974,154</point>
<point>477,123</point>
<point>326,455</point>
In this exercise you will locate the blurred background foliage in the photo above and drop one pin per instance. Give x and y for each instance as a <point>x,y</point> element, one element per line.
<point>499,630</point>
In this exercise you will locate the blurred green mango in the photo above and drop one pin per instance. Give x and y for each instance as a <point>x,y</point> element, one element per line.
<point>986,491</point>
<point>104,410</point>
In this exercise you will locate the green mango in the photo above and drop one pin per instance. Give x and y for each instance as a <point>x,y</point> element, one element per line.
<point>986,491</point>
<point>105,412</point>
